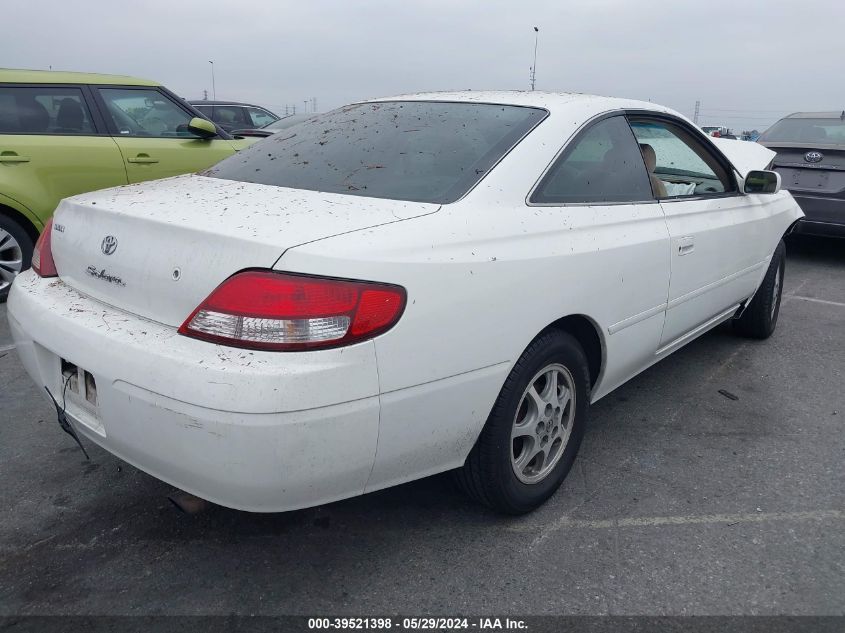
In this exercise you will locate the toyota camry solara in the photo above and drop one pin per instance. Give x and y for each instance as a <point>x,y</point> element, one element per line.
<point>398,288</point>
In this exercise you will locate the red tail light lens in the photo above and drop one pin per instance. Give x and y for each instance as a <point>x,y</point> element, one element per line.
<point>266,310</point>
<point>42,255</point>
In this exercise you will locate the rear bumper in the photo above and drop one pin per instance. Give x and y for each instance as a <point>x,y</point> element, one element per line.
<point>823,216</point>
<point>248,430</point>
<point>827,209</point>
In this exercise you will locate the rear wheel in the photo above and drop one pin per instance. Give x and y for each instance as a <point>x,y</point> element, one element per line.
<point>761,316</point>
<point>15,253</point>
<point>532,436</point>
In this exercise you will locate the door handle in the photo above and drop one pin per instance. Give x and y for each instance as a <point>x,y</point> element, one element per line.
<point>686,245</point>
<point>143,159</point>
<point>12,157</point>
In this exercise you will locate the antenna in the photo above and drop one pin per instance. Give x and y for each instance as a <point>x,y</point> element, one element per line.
<point>534,67</point>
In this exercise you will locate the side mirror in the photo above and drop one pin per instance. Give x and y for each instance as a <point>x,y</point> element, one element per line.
<point>202,127</point>
<point>762,181</point>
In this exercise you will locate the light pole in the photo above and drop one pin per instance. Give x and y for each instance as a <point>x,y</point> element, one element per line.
<point>534,67</point>
<point>213,87</point>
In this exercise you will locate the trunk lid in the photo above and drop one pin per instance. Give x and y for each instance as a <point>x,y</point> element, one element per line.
<point>157,249</point>
<point>815,169</point>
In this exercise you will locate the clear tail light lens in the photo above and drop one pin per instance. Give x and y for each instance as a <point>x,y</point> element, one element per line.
<point>266,310</point>
<point>42,254</point>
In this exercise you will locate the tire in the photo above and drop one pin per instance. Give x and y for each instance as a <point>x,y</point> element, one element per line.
<point>516,427</point>
<point>15,253</point>
<point>760,318</point>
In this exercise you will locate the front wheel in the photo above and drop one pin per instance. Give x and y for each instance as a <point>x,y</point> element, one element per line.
<point>15,253</point>
<point>761,316</point>
<point>532,436</point>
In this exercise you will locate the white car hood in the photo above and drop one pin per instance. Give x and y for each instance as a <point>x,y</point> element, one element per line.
<point>744,155</point>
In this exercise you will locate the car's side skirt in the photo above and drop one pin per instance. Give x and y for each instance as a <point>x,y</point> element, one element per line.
<point>695,333</point>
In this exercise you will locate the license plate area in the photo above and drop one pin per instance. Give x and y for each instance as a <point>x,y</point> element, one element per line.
<point>810,179</point>
<point>79,395</point>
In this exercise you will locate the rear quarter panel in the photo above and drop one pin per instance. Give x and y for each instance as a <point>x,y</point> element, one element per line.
<point>484,277</point>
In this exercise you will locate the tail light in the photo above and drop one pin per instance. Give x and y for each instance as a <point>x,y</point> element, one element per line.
<point>42,255</point>
<point>266,310</point>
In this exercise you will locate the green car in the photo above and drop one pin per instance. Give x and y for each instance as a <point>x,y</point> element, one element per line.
<point>65,133</point>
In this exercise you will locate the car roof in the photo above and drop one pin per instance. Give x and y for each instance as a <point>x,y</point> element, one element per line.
<point>840,114</point>
<point>531,98</point>
<point>196,102</point>
<point>22,76</point>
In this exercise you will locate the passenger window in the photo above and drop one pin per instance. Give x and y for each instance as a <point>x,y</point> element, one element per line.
<point>260,117</point>
<point>602,164</point>
<point>678,164</point>
<point>44,110</point>
<point>142,112</point>
<point>231,117</point>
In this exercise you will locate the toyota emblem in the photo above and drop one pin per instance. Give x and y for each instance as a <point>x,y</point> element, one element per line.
<point>109,245</point>
<point>813,157</point>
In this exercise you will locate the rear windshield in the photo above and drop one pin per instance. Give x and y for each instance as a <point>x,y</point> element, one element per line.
<point>403,150</point>
<point>806,131</point>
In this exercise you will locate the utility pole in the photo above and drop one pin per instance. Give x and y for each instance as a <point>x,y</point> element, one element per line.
<point>534,67</point>
<point>213,87</point>
<point>695,116</point>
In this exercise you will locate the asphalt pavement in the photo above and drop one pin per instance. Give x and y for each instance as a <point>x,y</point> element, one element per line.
<point>684,500</point>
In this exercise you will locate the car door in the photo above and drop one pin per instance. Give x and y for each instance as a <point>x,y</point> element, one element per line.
<point>599,187</point>
<point>713,258</point>
<point>151,129</point>
<point>52,146</point>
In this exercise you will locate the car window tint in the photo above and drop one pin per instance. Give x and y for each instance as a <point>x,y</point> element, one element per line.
<point>402,150</point>
<point>602,164</point>
<point>141,112</point>
<point>231,117</point>
<point>807,130</point>
<point>682,166</point>
<point>44,110</point>
<point>260,117</point>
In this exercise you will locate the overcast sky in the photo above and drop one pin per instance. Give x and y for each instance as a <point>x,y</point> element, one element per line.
<point>748,61</point>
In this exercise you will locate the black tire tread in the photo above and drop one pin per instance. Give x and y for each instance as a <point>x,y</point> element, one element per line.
<point>756,321</point>
<point>477,479</point>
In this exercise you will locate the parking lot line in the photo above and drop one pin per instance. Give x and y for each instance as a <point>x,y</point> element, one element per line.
<point>814,300</point>
<point>712,519</point>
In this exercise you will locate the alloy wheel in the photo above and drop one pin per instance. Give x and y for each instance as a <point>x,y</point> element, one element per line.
<point>543,423</point>
<point>11,259</point>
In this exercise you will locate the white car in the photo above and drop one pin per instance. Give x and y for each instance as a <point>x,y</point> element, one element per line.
<point>398,288</point>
